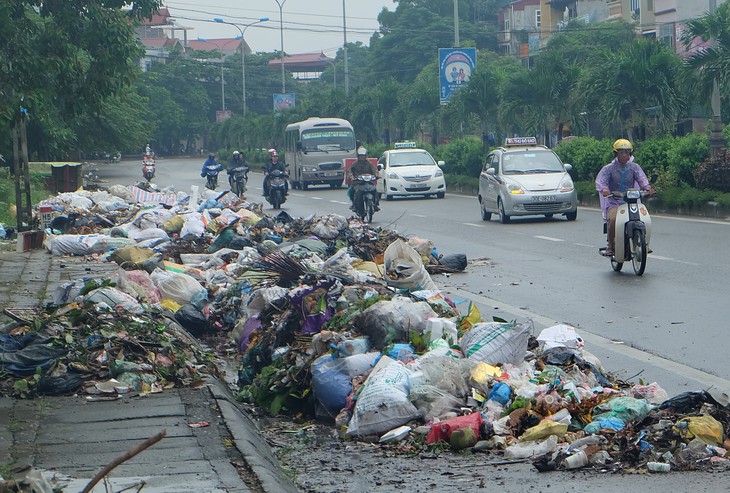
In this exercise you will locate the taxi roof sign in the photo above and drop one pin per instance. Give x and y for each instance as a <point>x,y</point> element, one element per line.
<point>521,141</point>
<point>404,145</point>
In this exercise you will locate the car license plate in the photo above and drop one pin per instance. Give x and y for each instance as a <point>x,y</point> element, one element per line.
<point>544,198</point>
<point>330,173</point>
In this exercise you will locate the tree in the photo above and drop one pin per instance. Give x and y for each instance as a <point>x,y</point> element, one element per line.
<point>54,63</point>
<point>634,88</point>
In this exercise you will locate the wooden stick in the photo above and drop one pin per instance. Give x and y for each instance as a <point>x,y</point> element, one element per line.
<point>124,457</point>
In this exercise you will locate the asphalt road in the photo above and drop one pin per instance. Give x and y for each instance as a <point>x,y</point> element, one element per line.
<point>667,326</point>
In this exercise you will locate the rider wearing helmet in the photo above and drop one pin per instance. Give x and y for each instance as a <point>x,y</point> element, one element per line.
<point>273,163</point>
<point>361,167</point>
<point>236,161</point>
<point>620,175</point>
<point>209,162</point>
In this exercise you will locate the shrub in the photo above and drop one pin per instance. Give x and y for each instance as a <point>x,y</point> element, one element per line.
<point>586,154</point>
<point>714,172</point>
<point>462,156</point>
<point>685,155</point>
<point>652,154</point>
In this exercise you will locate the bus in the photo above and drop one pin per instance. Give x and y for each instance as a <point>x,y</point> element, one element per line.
<point>315,151</point>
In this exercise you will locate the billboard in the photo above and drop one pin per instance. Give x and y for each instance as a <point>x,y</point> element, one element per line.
<point>455,67</point>
<point>283,102</point>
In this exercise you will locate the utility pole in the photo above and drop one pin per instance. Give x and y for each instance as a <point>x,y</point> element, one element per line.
<point>281,3</point>
<point>22,176</point>
<point>344,49</point>
<point>717,140</point>
<point>457,44</point>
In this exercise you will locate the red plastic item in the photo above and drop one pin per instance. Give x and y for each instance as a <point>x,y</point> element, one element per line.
<point>441,431</point>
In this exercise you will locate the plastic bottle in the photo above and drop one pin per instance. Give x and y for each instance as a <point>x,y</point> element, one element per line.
<point>658,466</point>
<point>587,440</point>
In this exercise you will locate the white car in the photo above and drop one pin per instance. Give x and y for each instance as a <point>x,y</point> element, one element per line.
<point>407,170</point>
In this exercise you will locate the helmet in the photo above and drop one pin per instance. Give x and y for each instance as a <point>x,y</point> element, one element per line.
<point>236,153</point>
<point>622,144</point>
<point>361,151</point>
<point>273,153</point>
<point>211,155</point>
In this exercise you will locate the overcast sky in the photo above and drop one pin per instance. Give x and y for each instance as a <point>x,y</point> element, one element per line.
<point>309,25</point>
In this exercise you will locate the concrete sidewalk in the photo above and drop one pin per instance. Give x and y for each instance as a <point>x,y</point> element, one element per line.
<point>210,443</point>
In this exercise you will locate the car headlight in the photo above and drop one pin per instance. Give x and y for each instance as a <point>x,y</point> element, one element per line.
<point>566,185</point>
<point>310,169</point>
<point>438,173</point>
<point>515,189</point>
<point>392,176</point>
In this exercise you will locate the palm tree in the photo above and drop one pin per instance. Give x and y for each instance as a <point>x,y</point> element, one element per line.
<point>634,87</point>
<point>707,63</point>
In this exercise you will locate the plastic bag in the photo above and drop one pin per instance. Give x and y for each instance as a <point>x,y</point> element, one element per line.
<point>705,428</point>
<point>524,450</point>
<point>139,284</point>
<point>496,343</point>
<point>653,393</point>
<point>404,268</point>
<point>391,321</point>
<point>114,299</point>
<point>560,335</point>
<point>433,402</point>
<point>456,261</point>
<point>442,431</point>
<point>180,288</point>
<point>331,379</point>
<point>383,403</point>
<point>543,430</point>
<point>192,320</point>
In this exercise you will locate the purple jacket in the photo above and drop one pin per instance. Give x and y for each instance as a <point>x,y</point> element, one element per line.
<point>613,178</point>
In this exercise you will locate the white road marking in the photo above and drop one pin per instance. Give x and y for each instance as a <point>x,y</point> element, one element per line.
<point>548,238</point>
<point>670,259</point>
<point>339,202</point>
<point>316,198</point>
<point>583,244</point>
<point>419,215</point>
<point>473,225</point>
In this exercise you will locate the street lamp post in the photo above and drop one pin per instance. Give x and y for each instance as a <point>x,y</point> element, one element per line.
<point>223,83</point>
<point>281,3</point>
<point>243,53</point>
<point>344,48</point>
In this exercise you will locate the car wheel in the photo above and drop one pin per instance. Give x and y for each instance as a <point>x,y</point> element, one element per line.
<point>486,215</point>
<point>571,216</point>
<point>441,195</point>
<point>503,218</point>
<point>388,196</point>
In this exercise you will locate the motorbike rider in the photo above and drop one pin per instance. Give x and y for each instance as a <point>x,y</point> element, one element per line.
<point>210,162</point>
<point>361,167</point>
<point>273,163</point>
<point>237,161</point>
<point>621,174</point>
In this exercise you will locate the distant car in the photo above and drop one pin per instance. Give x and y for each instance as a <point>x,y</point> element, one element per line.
<point>407,170</point>
<point>526,179</point>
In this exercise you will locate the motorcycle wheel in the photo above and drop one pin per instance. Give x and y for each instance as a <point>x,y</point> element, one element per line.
<point>369,209</point>
<point>638,252</point>
<point>276,200</point>
<point>616,265</point>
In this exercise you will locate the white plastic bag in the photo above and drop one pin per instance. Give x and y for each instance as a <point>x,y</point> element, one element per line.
<point>383,403</point>
<point>404,268</point>
<point>178,287</point>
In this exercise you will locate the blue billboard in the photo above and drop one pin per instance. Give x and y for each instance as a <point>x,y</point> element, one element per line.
<point>455,67</point>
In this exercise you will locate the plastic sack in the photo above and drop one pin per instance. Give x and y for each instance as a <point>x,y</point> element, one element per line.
<point>383,402</point>
<point>391,321</point>
<point>138,284</point>
<point>705,428</point>
<point>115,299</point>
<point>560,335</point>
<point>442,431</point>
<point>329,226</point>
<point>331,379</point>
<point>404,268</point>
<point>180,288</point>
<point>495,343</point>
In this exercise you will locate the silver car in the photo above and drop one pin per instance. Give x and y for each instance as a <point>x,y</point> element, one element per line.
<point>407,170</point>
<point>526,179</point>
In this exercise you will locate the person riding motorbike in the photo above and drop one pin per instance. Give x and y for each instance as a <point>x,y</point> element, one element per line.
<point>620,174</point>
<point>210,162</point>
<point>273,163</point>
<point>361,167</point>
<point>236,161</point>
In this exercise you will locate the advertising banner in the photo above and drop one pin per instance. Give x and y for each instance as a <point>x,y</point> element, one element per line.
<point>283,102</point>
<point>455,68</point>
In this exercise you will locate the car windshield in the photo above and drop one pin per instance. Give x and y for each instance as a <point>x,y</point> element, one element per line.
<point>515,163</point>
<point>341,139</point>
<point>414,158</point>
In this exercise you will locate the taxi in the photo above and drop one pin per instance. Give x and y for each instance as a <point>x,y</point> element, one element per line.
<point>407,170</point>
<point>526,179</point>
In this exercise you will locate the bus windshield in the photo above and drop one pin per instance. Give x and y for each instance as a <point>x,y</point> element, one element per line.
<point>341,139</point>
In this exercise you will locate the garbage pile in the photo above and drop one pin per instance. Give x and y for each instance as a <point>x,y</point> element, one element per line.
<point>336,320</point>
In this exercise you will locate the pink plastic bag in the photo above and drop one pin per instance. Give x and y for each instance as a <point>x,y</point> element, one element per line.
<point>441,432</point>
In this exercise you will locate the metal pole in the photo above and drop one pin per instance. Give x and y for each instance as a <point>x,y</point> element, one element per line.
<point>223,83</point>
<point>717,140</point>
<point>456,24</point>
<point>281,3</point>
<point>344,48</point>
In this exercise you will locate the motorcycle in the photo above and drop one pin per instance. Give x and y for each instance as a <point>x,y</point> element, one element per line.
<point>278,188</point>
<point>148,170</point>
<point>211,174</point>
<point>239,178</point>
<point>633,232</point>
<point>365,196</point>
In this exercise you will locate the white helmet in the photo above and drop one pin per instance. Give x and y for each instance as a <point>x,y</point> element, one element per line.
<point>236,153</point>
<point>361,151</point>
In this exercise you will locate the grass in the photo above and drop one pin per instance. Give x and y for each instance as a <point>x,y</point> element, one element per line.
<point>39,173</point>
